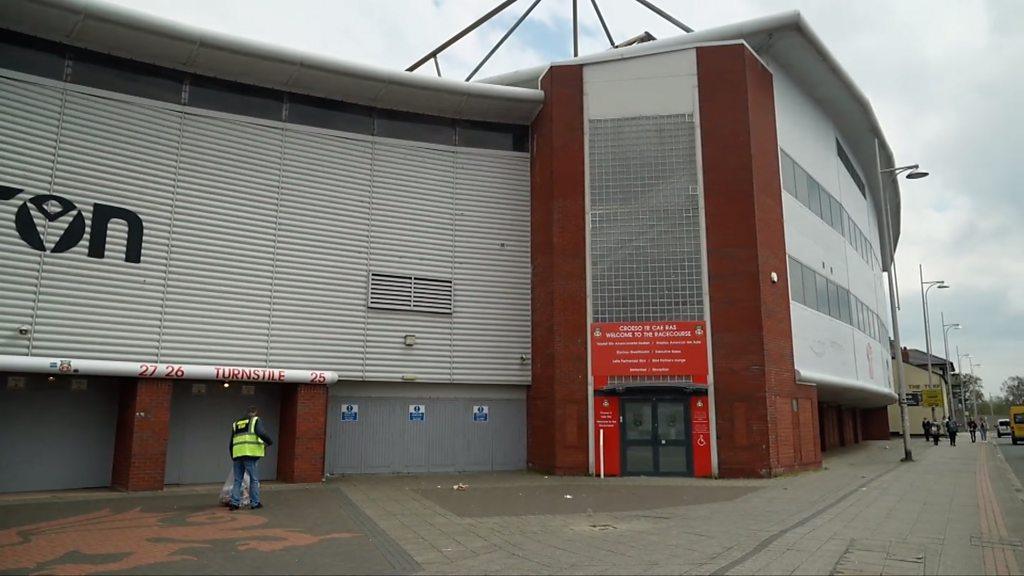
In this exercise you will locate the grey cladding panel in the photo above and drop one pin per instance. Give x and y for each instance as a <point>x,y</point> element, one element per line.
<point>385,440</point>
<point>122,155</point>
<point>221,271</point>
<point>319,315</point>
<point>28,138</point>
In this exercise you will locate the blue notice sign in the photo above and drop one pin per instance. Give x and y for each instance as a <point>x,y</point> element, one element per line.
<point>417,412</point>
<point>480,413</point>
<point>350,413</point>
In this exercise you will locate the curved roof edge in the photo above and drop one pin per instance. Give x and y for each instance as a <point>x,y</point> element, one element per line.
<point>128,33</point>
<point>847,391</point>
<point>787,39</point>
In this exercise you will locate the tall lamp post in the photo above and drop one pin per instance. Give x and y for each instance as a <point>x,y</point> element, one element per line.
<point>913,174</point>
<point>960,371</point>
<point>974,398</point>
<point>945,342</point>
<point>925,287</point>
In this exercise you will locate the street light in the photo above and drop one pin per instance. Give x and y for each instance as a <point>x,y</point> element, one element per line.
<point>959,371</point>
<point>925,287</point>
<point>945,341</point>
<point>974,399</point>
<point>897,351</point>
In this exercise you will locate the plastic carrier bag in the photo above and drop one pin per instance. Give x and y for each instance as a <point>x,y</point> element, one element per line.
<point>225,491</point>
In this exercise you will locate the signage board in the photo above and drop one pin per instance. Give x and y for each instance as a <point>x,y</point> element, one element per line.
<point>350,413</point>
<point>931,397</point>
<point>417,413</point>
<point>480,413</point>
<point>607,426</point>
<point>648,349</point>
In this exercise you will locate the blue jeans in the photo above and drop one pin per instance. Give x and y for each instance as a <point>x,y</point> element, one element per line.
<point>243,465</point>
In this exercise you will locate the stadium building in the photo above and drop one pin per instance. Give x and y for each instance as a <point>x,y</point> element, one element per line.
<point>661,259</point>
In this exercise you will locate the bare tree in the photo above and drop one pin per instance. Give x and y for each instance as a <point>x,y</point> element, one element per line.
<point>1013,389</point>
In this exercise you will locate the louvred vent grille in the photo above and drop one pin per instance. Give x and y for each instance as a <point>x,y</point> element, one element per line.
<point>413,293</point>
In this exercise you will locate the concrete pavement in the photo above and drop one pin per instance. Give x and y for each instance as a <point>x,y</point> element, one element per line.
<point>954,510</point>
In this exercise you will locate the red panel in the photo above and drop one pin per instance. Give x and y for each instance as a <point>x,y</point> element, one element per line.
<point>648,349</point>
<point>143,425</point>
<point>606,419</point>
<point>700,433</point>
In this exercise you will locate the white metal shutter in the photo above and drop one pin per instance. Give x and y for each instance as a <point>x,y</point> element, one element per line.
<point>411,234</point>
<point>29,117</point>
<point>319,315</point>
<point>492,267</point>
<point>222,256</point>
<point>124,155</point>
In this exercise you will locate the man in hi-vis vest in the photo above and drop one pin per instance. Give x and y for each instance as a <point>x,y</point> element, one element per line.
<point>248,445</point>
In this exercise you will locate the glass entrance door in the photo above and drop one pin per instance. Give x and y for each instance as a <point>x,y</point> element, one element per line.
<point>655,437</point>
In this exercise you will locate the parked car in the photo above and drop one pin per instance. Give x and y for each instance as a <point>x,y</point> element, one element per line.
<point>1003,427</point>
<point>1016,424</point>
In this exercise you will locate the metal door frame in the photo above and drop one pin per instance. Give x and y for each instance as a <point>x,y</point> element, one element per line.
<point>654,400</point>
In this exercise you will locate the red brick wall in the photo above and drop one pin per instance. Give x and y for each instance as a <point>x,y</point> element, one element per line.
<point>140,446</point>
<point>754,376</point>
<point>875,423</point>
<point>557,399</point>
<point>303,433</point>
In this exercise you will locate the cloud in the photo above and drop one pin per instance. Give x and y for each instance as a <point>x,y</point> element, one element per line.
<point>941,76</point>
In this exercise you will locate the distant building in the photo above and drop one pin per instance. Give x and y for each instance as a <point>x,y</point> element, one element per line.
<point>915,373</point>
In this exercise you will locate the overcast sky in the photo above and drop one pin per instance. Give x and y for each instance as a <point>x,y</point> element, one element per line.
<point>943,76</point>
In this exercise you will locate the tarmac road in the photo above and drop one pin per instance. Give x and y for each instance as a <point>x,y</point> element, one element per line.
<point>1014,455</point>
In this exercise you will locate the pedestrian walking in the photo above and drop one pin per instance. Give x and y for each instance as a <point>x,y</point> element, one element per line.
<point>983,427</point>
<point>952,428</point>
<point>926,425</point>
<point>935,433</point>
<point>248,444</point>
<point>972,429</point>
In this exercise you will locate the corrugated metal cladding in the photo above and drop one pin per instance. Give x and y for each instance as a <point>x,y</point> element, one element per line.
<point>259,238</point>
<point>384,439</point>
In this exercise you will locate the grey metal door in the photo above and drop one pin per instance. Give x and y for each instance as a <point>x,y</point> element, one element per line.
<point>200,435</point>
<point>655,438</point>
<point>54,437</point>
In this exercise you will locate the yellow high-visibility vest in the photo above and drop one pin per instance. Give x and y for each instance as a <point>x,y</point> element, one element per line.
<point>244,441</point>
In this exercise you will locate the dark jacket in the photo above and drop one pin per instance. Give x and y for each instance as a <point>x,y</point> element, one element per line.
<point>951,427</point>
<point>260,433</point>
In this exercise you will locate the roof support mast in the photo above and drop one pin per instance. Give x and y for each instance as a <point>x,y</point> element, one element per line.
<point>502,41</point>
<point>433,54</point>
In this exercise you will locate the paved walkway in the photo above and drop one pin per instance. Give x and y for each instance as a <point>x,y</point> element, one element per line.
<point>952,511</point>
<point>865,514</point>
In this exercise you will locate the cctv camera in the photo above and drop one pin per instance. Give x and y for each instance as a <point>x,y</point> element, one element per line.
<point>24,330</point>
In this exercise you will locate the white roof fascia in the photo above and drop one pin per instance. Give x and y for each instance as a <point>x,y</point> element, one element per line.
<point>127,33</point>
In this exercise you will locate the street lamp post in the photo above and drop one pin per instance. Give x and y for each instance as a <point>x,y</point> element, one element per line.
<point>897,353</point>
<point>945,342</point>
<point>925,287</point>
<point>959,372</point>
<point>974,398</point>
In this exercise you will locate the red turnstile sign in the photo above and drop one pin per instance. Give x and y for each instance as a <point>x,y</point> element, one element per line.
<point>648,349</point>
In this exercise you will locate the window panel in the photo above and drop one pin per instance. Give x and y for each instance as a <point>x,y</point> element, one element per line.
<point>126,77</point>
<point>826,206</point>
<point>810,290</point>
<point>796,281</point>
<point>821,286</point>
<point>844,306</point>
<point>833,300</point>
<point>837,215</point>
<point>788,178</point>
<point>814,196</point>
<point>801,185</point>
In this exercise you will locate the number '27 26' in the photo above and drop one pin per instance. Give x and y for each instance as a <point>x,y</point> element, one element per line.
<point>170,371</point>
